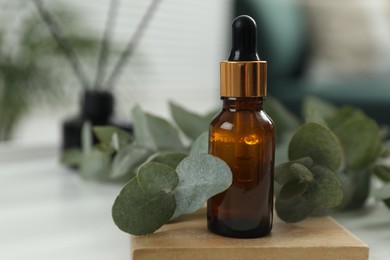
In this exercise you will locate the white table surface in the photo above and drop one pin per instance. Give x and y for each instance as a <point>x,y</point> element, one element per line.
<point>49,212</point>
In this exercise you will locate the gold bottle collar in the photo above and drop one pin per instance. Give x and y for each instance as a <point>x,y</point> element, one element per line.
<point>243,78</point>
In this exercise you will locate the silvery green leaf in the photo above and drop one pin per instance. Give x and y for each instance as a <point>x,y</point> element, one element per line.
<point>201,144</point>
<point>317,142</point>
<point>72,157</point>
<point>168,158</point>
<point>288,171</point>
<point>154,178</point>
<point>382,193</point>
<point>201,177</point>
<point>191,124</point>
<point>293,188</point>
<point>112,136</point>
<point>294,210</point>
<point>86,138</point>
<point>361,141</point>
<point>165,135</point>
<point>128,159</point>
<point>316,110</point>
<point>283,118</point>
<point>147,201</point>
<point>154,132</point>
<point>95,164</point>
<point>325,191</point>
<point>382,172</point>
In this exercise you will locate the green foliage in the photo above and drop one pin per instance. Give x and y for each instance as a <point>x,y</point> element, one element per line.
<point>31,64</point>
<point>323,171</point>
<point>332,157</point>
<point>317,142</point>
<point>201,144</point>
<point>191,124</point>
<point>201,177</point>
<point>362,147</point>
<point>147,201</point>
<point>158,192</point>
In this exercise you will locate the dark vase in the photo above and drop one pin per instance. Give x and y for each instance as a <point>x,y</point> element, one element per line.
<point>97,107</point>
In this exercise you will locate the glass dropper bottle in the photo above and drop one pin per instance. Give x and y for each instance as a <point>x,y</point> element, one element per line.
<point>243,135</point>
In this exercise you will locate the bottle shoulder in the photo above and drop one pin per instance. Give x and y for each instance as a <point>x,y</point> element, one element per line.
<point>245,117</point>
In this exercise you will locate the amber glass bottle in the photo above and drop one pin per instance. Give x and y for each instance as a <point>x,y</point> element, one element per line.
<point>243,136</point>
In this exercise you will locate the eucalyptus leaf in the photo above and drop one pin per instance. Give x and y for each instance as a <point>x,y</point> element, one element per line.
<point>142,132</point>
<point>325,191</point>
<point>164,133</point>
<point>154,132</point>
<point>201,144</point>
<point>361,182</point>
<point>128,159</point>
<point>294,210</point>
<point>343,115</point>
<point>141,211</point>
<point>171,159</point>
<point>317,142</point>
<point>283,118</point>
<point>72,157</point>
<point>316,110</point>
<point>154,177</point>
<point>191,124</point>
<point>288,171</point>
<point>382,193</point>
<point>201,177</point>
<point>361,141</point>
<point>292,189</point>
<point>95,165</point>
<point>109,135</point>
<point>86,138</point>
<point>382,172</point>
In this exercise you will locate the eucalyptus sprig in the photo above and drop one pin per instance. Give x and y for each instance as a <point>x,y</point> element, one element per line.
<point>329,155</point>
<point>331,159</point>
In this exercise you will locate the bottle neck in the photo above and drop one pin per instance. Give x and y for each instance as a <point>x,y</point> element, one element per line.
<point>243,103</point>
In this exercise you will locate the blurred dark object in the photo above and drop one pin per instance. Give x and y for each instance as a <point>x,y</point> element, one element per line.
<point>97,107</point>
<point>288,40</point>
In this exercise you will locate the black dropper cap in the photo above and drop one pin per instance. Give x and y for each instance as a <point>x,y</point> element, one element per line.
<point>244,39</point>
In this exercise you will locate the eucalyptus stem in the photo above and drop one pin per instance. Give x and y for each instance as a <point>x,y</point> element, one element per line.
<point>134,40</point>
<point>105,46</point>
<point>62,43</point>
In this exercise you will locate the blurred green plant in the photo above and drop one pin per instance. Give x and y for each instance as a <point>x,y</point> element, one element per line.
<point>30,62</point>
<point>331,160</point>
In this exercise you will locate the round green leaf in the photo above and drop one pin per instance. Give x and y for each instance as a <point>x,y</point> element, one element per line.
<point>317,142</point>
<point>105,135</point>
<point>292,189</point>
<point>154,132</point>
<point>157,177</point>
<point>128,159</point>
<point>141,211</point>
<point>325,190</point>
<point>383,193</point>
<point>95,164</point>
<point>201,144</point>
<point>169,158</point>
<point>294,210</point>
<point>361,140</point>
<point>191,124</point>
<point>316,110</point>
<point>383,172</point>
<point>201,177</point>
<point>293,170</point>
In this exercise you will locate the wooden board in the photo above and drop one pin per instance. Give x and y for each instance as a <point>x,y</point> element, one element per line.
<point>188,238</point>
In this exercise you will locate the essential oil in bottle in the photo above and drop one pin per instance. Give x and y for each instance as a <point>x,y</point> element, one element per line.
<point>243,136</point>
